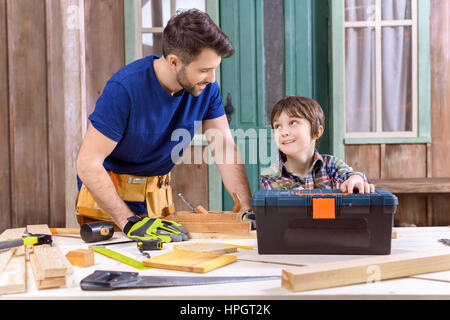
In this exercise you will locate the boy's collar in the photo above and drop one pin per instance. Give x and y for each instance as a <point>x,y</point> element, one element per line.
<point>281,165</point>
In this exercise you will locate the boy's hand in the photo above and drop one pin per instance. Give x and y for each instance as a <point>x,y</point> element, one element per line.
<point>356,182</point>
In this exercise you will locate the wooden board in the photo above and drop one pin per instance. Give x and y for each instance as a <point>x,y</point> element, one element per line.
<point>52,262</point>
<point>43,282</point>
<point>190,261</point>
<point>5,169</point>
<point>81,257</point>
<point>213,216</point>
<point>211,247</point>
<point>365,270</point>
<point>220,235</point>
<point>6,255</point>
<point>221,227</point>
<point>12,265</point>
<point>27,85</point>
<point>13,277</point>
<point>414,185</point>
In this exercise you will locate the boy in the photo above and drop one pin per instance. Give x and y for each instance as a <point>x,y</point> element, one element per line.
<point>298,124</point>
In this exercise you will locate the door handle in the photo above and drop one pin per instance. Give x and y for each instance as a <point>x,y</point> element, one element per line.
<point>229,108</point>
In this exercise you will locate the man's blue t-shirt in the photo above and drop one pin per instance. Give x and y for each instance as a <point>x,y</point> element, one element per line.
<point>135,111</point>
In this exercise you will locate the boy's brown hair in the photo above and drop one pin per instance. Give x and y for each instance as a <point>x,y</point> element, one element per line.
<point>300,107</point>
<point>188,32</point>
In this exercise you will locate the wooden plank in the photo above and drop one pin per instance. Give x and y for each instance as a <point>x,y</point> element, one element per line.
<point>190,261</point>
<point>13,277</point>
<point>102,37</point>
<point>364,158</point>
<point>440,90</point>
<point>41,281</point>
<point>213,216</point>
<point>414,185</point>
<point>55,94</point>
<point>5,195</point>
<point>81,257</point>
<point>27,77</point>
<point>39,229</point>
<point>364,270</point>
<point>440,97</point>
<point>6,255</point>
<point>405,161</point>
<point>53,262</point>
<point>220,227</point>
<point>219,235</point>
<point>211,247</point>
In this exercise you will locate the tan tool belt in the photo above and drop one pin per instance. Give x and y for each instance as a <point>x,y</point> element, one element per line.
<point>155,191</point>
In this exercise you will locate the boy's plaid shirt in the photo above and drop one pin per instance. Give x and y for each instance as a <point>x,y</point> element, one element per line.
<point>326,172</point>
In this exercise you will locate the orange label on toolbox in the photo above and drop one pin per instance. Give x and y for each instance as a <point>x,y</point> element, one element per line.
<point>323,208</point>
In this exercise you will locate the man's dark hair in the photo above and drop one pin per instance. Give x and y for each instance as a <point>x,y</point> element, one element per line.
<point>188,32</point>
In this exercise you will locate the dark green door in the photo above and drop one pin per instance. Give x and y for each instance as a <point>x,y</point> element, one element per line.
<point>281,48</point>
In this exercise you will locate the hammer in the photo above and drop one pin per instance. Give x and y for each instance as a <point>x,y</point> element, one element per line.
<point>89,232</point>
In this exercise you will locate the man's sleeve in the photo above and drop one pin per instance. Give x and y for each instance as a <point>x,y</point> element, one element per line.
<point>215,108</point>
<point>111,111</point>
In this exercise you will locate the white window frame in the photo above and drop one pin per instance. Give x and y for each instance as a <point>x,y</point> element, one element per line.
<point>139,30</point>
<point>378,24</point>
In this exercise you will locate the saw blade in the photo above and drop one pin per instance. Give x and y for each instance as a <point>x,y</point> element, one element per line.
<point>112,280</point>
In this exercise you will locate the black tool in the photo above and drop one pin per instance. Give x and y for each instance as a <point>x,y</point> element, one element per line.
<point>156,244</point>
<point>102,280</point>
<point>96,231</point>
<point>445,241</point>
<point>27,239</point>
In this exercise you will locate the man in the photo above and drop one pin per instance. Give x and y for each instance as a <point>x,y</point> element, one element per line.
<point>125,160</point>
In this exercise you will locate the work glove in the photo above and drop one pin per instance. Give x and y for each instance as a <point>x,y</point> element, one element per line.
<point>149,229</point>
<point>249,215</point>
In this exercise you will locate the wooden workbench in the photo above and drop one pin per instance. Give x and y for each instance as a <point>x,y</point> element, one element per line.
<point>428,286</point>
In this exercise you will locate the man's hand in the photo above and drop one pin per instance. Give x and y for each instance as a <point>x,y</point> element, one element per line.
<point>149,229</point>
<point>249,215</point>
<point>357,182</point>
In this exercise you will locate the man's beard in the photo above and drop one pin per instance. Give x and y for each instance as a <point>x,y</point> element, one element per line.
<point>186,84</point>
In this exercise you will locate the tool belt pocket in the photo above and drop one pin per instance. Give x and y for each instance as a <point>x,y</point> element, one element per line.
<point>86,206</point>
<point>159,196</point>
<point>130,188</point>
<point>155,192</point>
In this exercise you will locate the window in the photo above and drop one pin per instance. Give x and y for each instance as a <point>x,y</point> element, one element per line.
<point>150,17</point>
<point>381,89</point>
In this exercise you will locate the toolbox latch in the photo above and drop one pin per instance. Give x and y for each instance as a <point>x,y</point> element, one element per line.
<point>323,208</point>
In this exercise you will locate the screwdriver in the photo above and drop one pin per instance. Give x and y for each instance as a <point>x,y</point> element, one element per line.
<point>198,209</point>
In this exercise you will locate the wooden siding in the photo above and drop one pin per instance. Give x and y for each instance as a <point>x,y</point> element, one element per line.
<point>33,162</point>
<point>191,179</point>
<point>31,158</point>
<point>440,103</point>
<point>391,161</point>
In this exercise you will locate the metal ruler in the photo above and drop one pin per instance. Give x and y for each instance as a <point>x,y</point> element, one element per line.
<point>119,257</point>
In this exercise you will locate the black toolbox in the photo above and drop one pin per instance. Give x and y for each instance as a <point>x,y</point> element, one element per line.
<point>324,221</point>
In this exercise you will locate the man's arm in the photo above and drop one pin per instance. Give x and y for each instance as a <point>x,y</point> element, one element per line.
<point>94,149</point>
<point>228,159</point>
